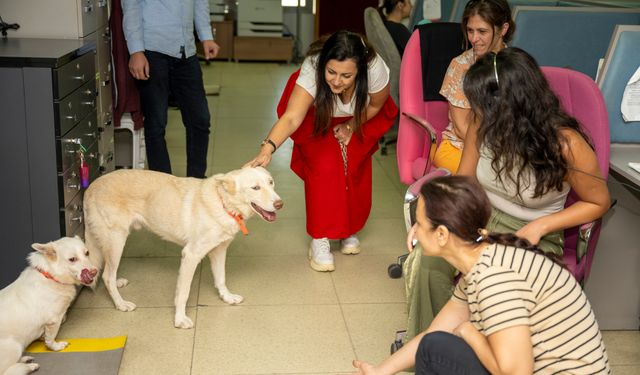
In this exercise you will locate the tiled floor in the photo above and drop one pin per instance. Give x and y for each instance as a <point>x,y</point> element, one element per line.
<point>293,320</point>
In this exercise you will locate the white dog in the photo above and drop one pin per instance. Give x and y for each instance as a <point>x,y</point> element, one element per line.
<point>34,305</point>
<point>201,215</point>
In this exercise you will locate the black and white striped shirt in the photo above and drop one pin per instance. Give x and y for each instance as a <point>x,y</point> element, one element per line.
<point>509,286</point>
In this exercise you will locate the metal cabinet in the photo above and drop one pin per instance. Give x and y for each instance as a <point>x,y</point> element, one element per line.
<point>48,129</point>
<point>73,19</point>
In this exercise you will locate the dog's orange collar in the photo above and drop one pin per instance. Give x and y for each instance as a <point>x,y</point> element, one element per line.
<point>49,276</point>
<point>240,220</point>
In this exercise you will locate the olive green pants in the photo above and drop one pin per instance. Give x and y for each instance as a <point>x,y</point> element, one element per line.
<point>429,280</point>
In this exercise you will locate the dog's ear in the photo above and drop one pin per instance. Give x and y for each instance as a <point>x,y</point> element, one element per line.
<point>46,249</point>
<point>228,182</point>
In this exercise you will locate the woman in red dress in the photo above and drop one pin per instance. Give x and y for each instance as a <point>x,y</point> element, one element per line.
<point>335,108</point>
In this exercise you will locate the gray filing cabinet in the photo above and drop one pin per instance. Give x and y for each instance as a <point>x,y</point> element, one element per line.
<point>48,121</point>
<point>73,19</point>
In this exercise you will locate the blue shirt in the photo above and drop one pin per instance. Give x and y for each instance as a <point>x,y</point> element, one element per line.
<point>165,26</point>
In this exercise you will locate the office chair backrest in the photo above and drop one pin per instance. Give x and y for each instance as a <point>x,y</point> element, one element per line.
<point>381,40</point>
<point>426,58</point>
<point>581,98</point>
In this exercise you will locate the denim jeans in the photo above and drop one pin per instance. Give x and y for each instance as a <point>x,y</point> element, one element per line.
<point>443,353</point>
<point>182,77</point>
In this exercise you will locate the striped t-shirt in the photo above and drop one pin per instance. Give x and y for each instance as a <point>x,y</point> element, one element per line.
<point>509,287</point>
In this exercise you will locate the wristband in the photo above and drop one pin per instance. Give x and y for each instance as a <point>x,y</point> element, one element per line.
<point>270,142</point>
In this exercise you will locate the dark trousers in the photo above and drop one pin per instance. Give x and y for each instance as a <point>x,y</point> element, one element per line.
<point>183,78</point>
<point>443,353</point>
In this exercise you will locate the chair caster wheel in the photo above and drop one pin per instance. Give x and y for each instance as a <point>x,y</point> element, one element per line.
<point>395,271</point>
<point>398,342</point>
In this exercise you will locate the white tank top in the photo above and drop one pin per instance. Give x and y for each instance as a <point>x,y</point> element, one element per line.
<point>504,197</point>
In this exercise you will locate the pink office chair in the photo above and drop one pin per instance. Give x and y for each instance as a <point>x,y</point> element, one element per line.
<point>430,49</point>
<point>581,98</point>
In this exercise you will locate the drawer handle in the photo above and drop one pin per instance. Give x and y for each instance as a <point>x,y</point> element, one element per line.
<point>76,218</point>
<point>79,78</point>
<point>72,140</point>
<point>90,103</point>
<point>73,186</point>
<point>74,117</point>
<point>102,3</point>
<point>87,8</point>
<point>93,135</point>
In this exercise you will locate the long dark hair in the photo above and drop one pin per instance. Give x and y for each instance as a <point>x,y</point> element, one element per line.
<point>460,204</point>
<point>520,118</point>
<point>341,46</point>
<point>494,12</point>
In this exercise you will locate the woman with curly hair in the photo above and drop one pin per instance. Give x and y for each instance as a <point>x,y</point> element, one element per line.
<point>528,153</point>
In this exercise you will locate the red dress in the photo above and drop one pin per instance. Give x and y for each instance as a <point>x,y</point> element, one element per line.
<point>337,204</point>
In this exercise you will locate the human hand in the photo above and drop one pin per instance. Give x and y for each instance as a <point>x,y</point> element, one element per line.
<point>364,368</point>
<point>463,329</point>
<point>262,159</point>
<point>139,66</point>
<point>343,132</point>
<point>210,48</point>
<point>411,238</point>
<point>532,232</point>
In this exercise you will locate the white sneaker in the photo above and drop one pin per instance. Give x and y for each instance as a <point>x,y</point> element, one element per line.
<point>350,245</point>
<point>320,257</point>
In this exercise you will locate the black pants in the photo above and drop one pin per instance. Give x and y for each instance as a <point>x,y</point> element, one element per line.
<point>183,78</point>
<point>443,353</point>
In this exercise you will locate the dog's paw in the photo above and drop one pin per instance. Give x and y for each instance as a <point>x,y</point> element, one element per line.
<point>126,306</point>
<point>33,367</point>
<point>121,283</point>
<point>26,359</point>
<point>232,299</point>
<point>183,322</point>
<point>57,346</point>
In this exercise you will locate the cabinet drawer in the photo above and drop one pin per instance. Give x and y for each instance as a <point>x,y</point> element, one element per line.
<point>74,74</point>
<point>92,15</point>
<point>72,215</point>
<point>70,184</point>
<point>75,107</point>
<point>86,133</point>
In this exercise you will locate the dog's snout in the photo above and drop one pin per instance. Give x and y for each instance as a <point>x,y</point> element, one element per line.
<point>278,204</point>
<point>93,272</point>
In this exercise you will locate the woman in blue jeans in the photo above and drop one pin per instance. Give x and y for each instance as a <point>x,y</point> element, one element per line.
<point>515,310</point>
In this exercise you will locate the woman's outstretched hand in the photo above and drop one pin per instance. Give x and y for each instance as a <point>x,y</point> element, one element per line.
<point>262,159</point>
<point>364,368</point>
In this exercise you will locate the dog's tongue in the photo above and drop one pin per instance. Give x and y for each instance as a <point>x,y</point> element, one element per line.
<point>86,277</point>
<point>269,216</point>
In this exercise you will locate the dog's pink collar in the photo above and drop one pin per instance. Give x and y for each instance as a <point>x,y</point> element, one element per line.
<point>49,276</point>
<point>240,220</point>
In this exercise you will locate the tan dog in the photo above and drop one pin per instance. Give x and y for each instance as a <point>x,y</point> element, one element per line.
<point>201,215</point>
<point>35,304</point>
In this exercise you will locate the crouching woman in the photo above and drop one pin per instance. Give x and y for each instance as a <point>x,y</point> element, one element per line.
<point>515,310</point>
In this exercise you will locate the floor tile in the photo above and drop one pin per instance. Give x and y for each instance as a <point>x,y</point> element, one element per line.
<point>153,345</point>
<point>623,347</point>
<point>152,283</point>
<point>363,279</point>
<point>271,340</point>
<point>271,280</point>
<point>372,328</point>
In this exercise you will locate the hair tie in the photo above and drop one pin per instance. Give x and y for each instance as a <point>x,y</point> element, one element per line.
<point>483,234</point>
